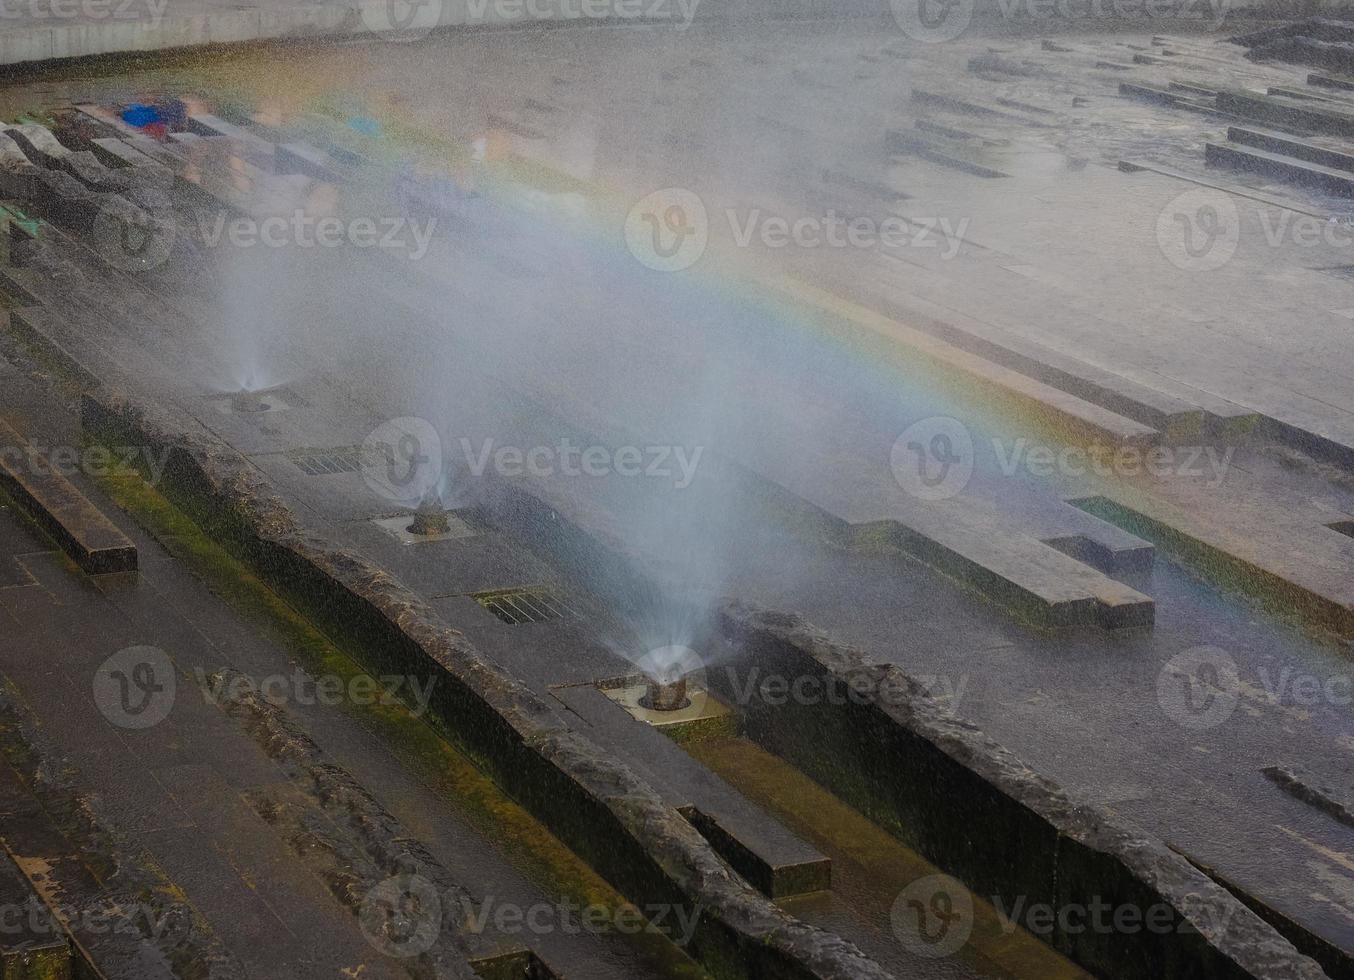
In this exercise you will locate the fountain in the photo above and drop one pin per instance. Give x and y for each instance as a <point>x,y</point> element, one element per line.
<point>248,402</point>
<point>430,519</point>
<point>665,695</point>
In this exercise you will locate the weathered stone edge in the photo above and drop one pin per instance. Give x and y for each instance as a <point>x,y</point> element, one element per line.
<point>1224,938</point>
<point>596,805</point>
<point>992,821</point>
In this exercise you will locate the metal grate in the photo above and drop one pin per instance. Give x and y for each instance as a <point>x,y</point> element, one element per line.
<point>525,605</point>
<point>325,462</point>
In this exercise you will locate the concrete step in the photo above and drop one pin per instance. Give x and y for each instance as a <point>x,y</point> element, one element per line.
<point>1287,146</point>
<point>33,944</point>
<point>1058,407</point>
<point>1175,417</point>
<point>1247,540</point>
<point>1331,81</point>
<point>774,860</point>
<point>1034,580</point>
<point>900,141</point>
<point>1265,163</point>
<point>84,533</point>
<point>1265,108</point>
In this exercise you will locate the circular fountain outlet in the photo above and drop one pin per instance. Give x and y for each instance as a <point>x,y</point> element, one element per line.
<point>430,521</point>
<point>248,401</point>
<point>665,695</point>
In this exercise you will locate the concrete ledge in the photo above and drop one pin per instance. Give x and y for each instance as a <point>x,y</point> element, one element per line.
<point>1281,143</point>
<point>775,881</point>
<point>775,861</point>
<point>1264,108</point>
<point>1038,582</point>
<point>1057,407</point>
<point>82,531</point>
<point>1174,416</point>
<point>1322,178</point>
<point>1315,582</point>
<point>33,944</point>
<point>595,805</point>
<point>904,143</point>
<point>975,810</point>
<point>1337,963</point>
<point>938,784</point>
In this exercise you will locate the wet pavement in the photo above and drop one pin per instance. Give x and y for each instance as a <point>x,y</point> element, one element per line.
<point>525,322</point>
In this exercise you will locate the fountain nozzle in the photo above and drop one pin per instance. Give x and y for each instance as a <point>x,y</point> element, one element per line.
<point>430,520</point>
<point>248,402</point>
<point>667,695</point>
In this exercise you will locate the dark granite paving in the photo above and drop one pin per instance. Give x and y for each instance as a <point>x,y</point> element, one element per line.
<point>181,789</point>
<point>571,339</point>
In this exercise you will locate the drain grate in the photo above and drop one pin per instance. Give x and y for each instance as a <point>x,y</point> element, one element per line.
<point>525,605</point>
<point>326,462</point>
